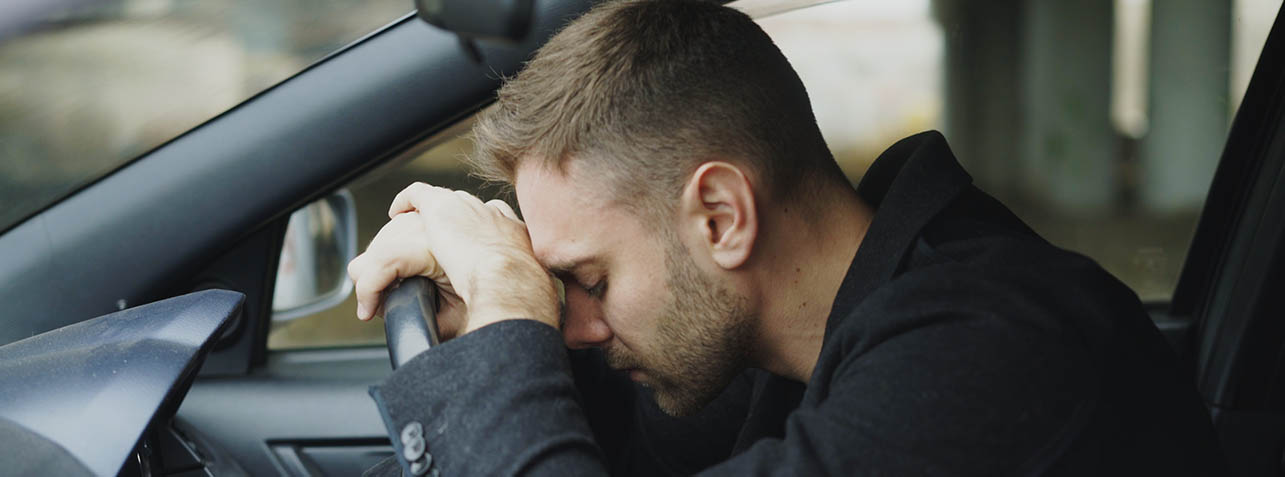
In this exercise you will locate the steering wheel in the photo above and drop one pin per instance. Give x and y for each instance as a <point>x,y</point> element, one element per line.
<point>410,319</point>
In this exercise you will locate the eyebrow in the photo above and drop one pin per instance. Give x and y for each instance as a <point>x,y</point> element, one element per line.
<point>564,268</point>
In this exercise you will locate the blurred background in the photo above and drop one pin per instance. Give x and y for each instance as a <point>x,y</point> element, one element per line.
<point>1099,122</point>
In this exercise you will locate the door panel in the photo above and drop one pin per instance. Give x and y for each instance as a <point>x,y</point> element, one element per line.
<point>331,459</point>
<point>1233,278</point>
<point>303,410</point>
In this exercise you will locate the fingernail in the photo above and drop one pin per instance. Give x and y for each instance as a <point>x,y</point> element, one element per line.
<point>361,311</point>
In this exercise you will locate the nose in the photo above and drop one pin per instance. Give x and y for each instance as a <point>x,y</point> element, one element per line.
<point>583,326</point>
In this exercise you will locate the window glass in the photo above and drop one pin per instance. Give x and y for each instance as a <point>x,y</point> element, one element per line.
<point>865,94</point>
<point>87,86</point>
<point>1099,123</point>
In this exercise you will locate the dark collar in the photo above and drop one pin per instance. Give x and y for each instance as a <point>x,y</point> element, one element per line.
<point>907,185</point>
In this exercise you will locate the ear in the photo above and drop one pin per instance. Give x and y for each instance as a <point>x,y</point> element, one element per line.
<point>718,205</point>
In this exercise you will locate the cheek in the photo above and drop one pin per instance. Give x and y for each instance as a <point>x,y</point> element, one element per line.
<point>637,295</point>
<point>633,307</point>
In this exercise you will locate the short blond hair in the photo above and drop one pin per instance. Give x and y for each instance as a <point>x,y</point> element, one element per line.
<point>644,91</point>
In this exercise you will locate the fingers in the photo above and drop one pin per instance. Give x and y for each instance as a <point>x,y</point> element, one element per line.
<point>415,197</point>
<point>427,223</point>
<point>370,280</point>
<point>396,252</point>
<point>504,209</point>
<point>420,196</point>
<point>403,201</point>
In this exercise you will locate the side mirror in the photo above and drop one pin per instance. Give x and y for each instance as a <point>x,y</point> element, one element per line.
<point>498,20</point>
<point>312,274</point>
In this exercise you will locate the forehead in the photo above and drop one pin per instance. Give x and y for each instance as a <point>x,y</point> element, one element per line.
<point>567,214</point>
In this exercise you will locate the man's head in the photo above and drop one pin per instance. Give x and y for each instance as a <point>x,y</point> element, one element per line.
<point>646,142</point>
<point>644,91</point>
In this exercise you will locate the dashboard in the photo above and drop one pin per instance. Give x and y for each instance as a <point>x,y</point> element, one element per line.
<point>98,397</point>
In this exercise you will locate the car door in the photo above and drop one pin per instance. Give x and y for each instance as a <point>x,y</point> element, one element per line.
<point>1232,282</point>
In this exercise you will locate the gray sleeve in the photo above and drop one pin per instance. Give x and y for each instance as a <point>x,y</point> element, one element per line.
<point>497,401</point>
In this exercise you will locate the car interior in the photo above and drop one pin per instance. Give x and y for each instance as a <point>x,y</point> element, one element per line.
<point>155,244</point>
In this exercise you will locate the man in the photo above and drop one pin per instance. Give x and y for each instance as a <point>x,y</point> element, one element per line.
<point>733,306</point>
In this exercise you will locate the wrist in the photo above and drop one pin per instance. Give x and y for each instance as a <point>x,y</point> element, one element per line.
<point>489,315</point>
<point>516,289</point>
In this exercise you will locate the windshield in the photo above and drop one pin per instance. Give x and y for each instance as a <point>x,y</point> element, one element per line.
<point>87,86</point>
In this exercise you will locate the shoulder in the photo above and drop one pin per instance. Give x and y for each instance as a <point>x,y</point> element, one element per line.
<point>1012,296</point>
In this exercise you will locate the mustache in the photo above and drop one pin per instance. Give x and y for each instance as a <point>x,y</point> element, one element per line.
<point>620,359</point>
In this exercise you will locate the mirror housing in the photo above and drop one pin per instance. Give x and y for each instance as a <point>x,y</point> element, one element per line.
<point>312,274</point>
<point>497,20</point>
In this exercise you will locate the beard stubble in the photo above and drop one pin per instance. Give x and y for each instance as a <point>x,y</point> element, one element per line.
<point>701,342</point>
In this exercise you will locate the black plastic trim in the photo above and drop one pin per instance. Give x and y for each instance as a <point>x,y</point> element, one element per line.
<point>1239,234</point>
<point>96,387</point>
<point>1243,158</point>
<point>303,397</point>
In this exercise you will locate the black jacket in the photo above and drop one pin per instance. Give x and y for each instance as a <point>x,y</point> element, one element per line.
<point>960,343</point>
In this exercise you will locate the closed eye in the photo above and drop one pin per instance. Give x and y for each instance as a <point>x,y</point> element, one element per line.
<point>597,289</point>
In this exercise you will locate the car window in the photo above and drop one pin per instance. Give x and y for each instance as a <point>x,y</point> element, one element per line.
<point>87,86</point>
<point>1098,123</point>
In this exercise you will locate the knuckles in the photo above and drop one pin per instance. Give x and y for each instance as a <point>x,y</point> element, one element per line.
<point>451,236</point>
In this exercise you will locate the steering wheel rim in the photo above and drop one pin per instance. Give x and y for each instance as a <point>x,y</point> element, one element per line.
<point>410,319</point>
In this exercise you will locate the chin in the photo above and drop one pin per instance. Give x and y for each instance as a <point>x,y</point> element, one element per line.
<point>680,403</point>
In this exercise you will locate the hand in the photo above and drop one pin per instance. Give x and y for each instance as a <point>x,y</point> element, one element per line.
<point>478,254</point>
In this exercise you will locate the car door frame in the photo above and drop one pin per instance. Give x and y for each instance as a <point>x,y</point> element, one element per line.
<point>1230,289</point>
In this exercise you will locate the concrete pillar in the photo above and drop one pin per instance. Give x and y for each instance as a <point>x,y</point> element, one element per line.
<point>1069,149</point>
<point>982,116</point>
<point>1190,58</point>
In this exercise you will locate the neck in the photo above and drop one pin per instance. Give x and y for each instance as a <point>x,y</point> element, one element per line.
<point>807,262</point>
